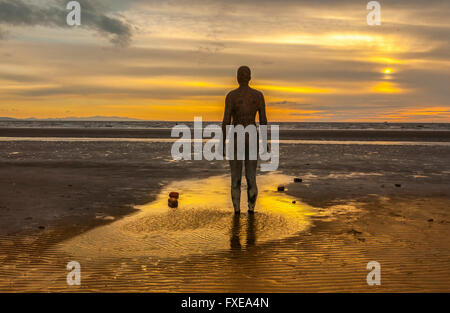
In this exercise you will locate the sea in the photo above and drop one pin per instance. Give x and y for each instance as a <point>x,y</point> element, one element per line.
<point>170,124</point>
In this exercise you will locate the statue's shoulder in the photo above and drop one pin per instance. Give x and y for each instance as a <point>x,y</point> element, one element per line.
<point>232,93</point>
<point>256,92</point>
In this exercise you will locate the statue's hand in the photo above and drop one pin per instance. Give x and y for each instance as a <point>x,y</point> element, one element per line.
<point>224,152</point>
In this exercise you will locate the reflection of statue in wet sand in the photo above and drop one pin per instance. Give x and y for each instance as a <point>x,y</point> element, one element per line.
<point>241,106</point>
<point>235,238</point>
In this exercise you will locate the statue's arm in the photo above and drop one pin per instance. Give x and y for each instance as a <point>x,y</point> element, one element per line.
<point>226,116</point>
<point>262,111</point>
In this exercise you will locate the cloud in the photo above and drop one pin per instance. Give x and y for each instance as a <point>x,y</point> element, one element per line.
<point>53,13</point>
<point>149,92</point>
<point>186,53</point>
<point>19,77</point>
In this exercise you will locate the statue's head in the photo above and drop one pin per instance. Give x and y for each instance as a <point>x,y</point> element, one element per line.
<point>243,75</point>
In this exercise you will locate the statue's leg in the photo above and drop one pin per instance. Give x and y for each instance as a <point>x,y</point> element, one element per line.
<point>252,188</point>
<point>236,177</point>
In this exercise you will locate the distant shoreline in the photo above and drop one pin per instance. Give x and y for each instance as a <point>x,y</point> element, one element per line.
<point>425,135</point>
<point>136,120</point>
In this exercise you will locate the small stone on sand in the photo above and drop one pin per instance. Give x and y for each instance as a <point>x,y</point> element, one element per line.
<point>297,180</point>
<point>280,188</point>
<point>354,232</point>
<point>173,203</point>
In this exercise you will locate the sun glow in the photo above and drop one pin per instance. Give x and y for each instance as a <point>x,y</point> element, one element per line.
<point>385,87</point>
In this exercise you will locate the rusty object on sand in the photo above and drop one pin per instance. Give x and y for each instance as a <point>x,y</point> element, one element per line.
<point>173,202</point>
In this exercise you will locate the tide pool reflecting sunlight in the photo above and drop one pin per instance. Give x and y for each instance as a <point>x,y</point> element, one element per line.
<point>204,222</point>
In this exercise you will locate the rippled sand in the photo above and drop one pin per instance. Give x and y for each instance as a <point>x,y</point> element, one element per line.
<point>359,215</point>
<point>202,226</point>
<point>203,223</point>
<point>202,246</point>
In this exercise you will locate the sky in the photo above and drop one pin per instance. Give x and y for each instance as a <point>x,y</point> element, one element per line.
<point>314,61</point>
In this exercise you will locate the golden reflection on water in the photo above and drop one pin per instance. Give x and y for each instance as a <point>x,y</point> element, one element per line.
<point>235,237</point>
<point>204,222</point>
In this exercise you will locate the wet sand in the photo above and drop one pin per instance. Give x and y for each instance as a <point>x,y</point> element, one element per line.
<point>94,202</point>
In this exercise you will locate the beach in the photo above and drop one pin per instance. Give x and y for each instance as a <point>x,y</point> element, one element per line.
<point>366,195</point>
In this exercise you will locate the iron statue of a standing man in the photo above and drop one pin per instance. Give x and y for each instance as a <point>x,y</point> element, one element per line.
<point>241,106</point>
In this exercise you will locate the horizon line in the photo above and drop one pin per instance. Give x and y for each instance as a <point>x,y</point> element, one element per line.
<point>130,119</point>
